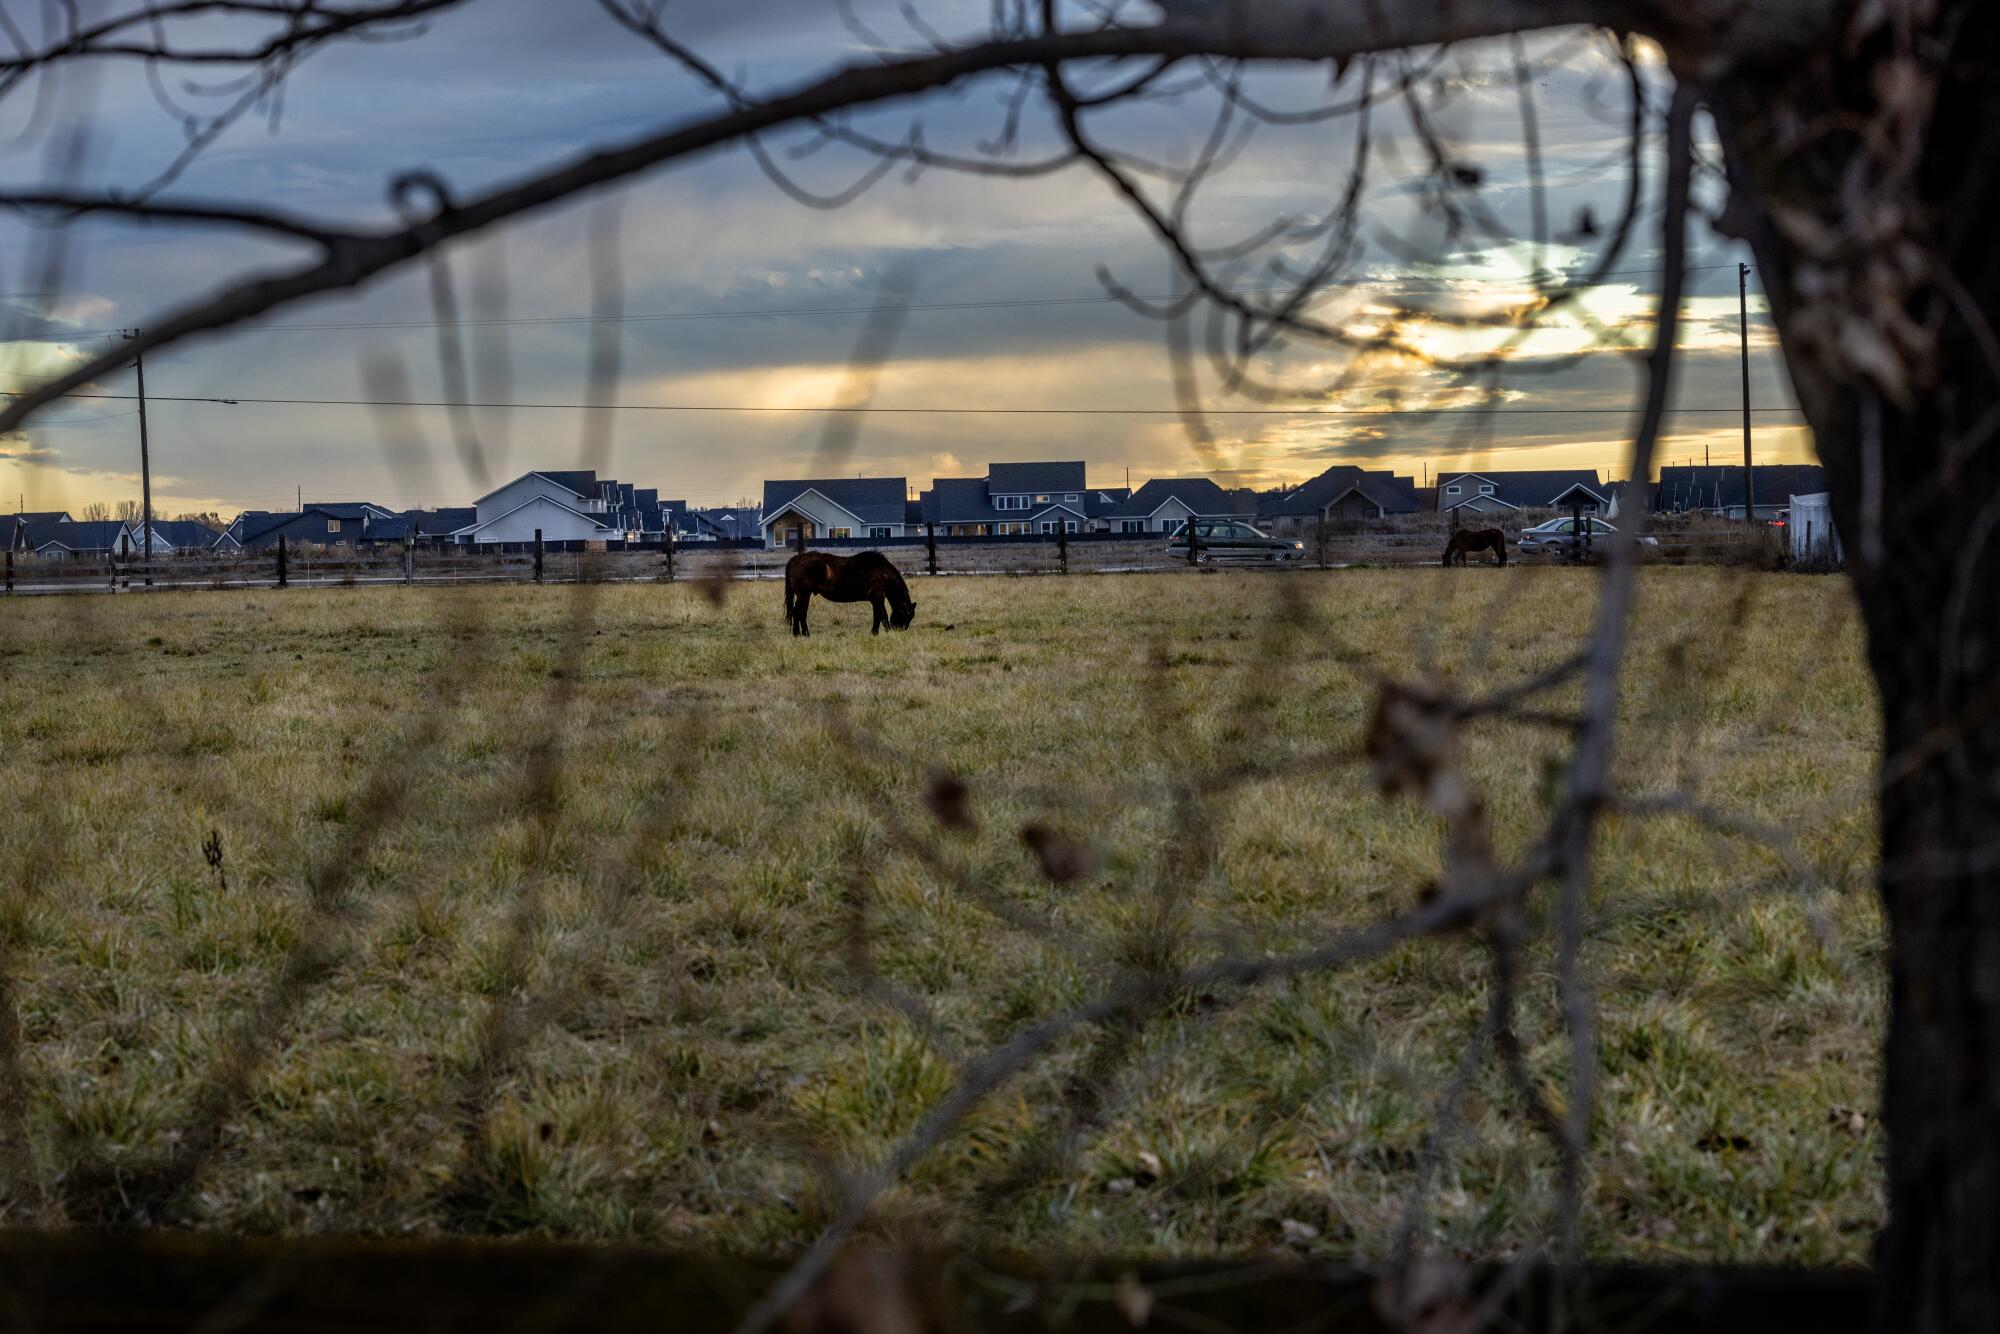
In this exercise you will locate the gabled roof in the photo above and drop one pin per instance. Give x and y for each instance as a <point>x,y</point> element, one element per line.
<point>36,518</point>
<point>535,500</point>
<point>581,484</point>
<point>1101,500</point>
<point>89,535</point>
<point>729,524</point>
<point>1719,486</point>
<point>1539,489</point>
<point>1008,479</point>
<point>1199,494</point>
<point>872,500</point>
<point>1387,491</point>
<point>348,509</point>
<point>182,534</point>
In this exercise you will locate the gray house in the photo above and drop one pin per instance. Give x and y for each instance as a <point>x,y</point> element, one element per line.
<point>1342,492</point>
<point>561,506</point>
<point>1503,493</point>
<point>1164,504</point>
<point>834,507</point>
<point>68,540</point>
<point>332,524</point>
<point>1012,498</point>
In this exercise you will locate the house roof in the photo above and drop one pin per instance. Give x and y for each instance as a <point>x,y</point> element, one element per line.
<point>1008,479</point>
<point>1199,494</point>
<point>348,509</point>
<point>182,534</point>
<point>34,518</point>
<point>1101,500</point>
<point>1538,489</point>
<point>872,500</point>
<point>1393,494</point>
<point>960,500</point>
<point>1715,486</point>
<point>89,535</point>
<point>434,523</point>
<point>733,524</point>
<point>583,483</point>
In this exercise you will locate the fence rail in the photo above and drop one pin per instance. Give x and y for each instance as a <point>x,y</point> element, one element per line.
<point>1055,554</point>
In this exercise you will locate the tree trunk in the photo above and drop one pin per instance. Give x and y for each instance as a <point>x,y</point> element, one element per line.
<point>1915,477</point>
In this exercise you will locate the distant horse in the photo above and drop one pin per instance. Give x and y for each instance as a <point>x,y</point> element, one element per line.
<point>1475,539</point>
<point>867,577</point>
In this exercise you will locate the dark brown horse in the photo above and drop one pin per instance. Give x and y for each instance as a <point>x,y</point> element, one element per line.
<point>1476,539</point>
<point>866,577</point>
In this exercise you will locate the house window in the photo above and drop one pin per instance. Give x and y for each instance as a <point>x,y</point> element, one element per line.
<point>1010,502</point>
<point>1486,488</point>
<point>1069,525</point>
<point>1048,526</point>
<point>1131,525</point>
<point>840,532</point>
<point>1451,490</point>
<point>1041,500</point>
<point>333,525</point>
<point>1070,496</point>
<point>878,532</point>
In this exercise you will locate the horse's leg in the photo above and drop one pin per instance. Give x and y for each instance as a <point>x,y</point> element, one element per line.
<point>803,626</point>
<point>881,615</point>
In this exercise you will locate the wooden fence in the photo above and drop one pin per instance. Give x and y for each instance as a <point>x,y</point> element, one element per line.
<point>306,567</point>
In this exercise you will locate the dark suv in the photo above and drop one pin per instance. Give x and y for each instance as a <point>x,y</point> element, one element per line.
<point>1234,540</point>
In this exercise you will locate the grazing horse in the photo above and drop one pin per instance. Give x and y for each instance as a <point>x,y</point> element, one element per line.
<point>867,577</point>
<point>1475,539</point>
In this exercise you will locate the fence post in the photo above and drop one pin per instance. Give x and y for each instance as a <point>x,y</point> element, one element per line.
<point>10,569</point>
<point>281,560</point>
<point>1193,541</point>
<point>409,561</point>
<point>799,537</point>
<point>1582,544</point>
<point>930,547</point>
<point>670,552</point>
<point>1319,536</point>
<point>1062,548</point>
<point>538,555</point>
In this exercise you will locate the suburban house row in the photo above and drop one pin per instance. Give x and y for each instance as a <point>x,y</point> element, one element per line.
<point>578,508</point>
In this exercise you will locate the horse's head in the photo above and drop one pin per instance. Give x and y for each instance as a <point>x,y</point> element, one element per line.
<point>900,617</point>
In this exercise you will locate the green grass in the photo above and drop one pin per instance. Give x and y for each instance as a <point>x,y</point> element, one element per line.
<point>672,926</point>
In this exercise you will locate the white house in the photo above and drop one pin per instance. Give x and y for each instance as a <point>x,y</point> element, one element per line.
<point>1503,493</point>
<point>835,507</point>
<point>562,506</point>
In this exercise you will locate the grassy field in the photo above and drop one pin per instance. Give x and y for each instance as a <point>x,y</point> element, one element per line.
<point>619,913</point>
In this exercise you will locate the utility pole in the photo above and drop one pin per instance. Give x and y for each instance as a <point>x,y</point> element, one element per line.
<point>145,464</point>
<point>1743,338</point>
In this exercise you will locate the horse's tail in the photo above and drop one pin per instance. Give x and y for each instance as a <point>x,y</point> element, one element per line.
<point>1500,548</point>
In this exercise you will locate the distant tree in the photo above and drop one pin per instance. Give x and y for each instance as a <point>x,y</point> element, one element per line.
<point>127,511</point>
<point>208,519</point>
<point>95,512</point>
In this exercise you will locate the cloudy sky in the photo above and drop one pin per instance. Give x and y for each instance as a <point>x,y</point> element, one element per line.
<point>734,296</point>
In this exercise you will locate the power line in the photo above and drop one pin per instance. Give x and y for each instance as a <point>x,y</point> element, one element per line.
<point>870,409</point>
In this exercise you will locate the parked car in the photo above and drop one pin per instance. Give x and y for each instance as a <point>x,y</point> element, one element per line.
<point>1231,540</point>
<point>1560,537</point>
